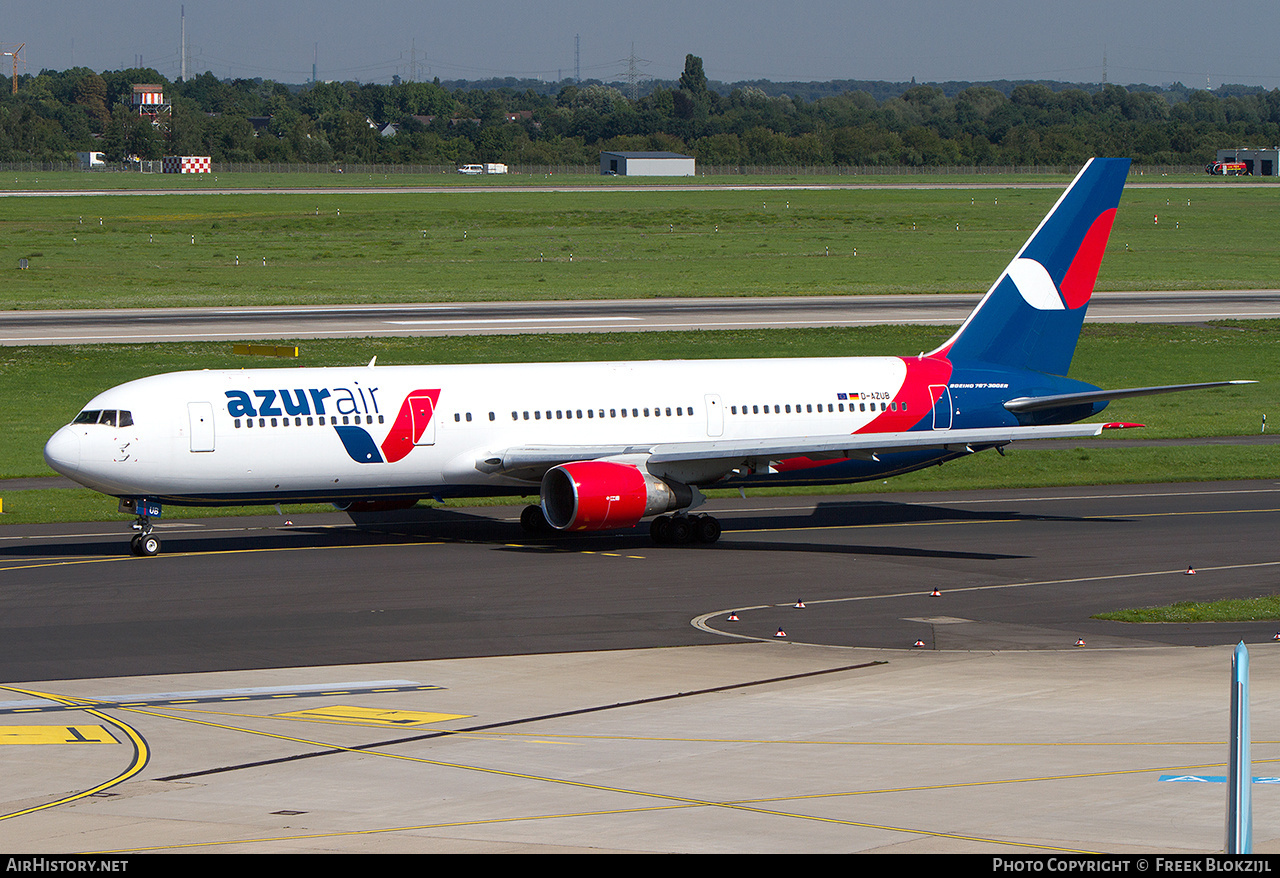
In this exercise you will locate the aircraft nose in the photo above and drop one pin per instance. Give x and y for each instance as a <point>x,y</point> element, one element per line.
<point>62,451</point>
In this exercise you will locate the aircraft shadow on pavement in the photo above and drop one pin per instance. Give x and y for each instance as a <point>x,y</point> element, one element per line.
<point>471,525</point>
<point>270,533</point>
<point>184,541</point>
<point>851,512</point>
<point>461,526</point>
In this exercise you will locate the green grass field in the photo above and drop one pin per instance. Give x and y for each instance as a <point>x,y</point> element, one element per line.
<point>1259,609</point>
<point>288,248</point>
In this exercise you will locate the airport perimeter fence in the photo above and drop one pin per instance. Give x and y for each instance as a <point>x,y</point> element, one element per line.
<point>590,170</point>
<point>925,170</point>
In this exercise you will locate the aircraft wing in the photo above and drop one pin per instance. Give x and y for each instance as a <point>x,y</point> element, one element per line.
<point>720,456</point>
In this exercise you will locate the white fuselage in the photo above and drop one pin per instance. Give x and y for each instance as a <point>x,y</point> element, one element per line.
<point>326,433</point>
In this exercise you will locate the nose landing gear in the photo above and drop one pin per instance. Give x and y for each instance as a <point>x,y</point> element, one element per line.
<point>144,542</point>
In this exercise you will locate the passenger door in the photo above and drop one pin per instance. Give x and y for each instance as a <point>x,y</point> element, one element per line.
<point>422,410</point>
<point>942,407</point>
<point>201,417</point>
<point>715,415</point>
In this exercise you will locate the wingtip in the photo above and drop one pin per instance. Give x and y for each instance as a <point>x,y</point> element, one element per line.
<point>1120,425</point>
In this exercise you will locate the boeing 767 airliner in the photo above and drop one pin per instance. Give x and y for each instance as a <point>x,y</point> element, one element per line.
<point>606,445</point>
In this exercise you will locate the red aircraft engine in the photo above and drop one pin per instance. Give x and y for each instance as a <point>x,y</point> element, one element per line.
<point>601,494</point>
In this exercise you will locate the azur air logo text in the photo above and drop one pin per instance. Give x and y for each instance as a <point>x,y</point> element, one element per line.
<point>412,424</point>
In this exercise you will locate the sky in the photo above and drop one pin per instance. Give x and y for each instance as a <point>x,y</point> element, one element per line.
<point>799,40</point>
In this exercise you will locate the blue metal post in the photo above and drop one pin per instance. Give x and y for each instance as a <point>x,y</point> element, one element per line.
<point>1240,768</point>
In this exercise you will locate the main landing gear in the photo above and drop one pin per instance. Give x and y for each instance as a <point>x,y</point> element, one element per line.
<point>681,530</point>
<point>674,530</point>
<point>534,522</point>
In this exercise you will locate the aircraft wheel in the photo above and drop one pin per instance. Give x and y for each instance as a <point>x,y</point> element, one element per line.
<point>707,529</point>
<point>534,521</point>
<point>134,548</point>
<point>148,545</point>
<point>681,530</point>
<point>660,529</point>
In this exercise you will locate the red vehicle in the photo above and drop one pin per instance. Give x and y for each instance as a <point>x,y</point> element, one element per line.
<point>1228,169</point>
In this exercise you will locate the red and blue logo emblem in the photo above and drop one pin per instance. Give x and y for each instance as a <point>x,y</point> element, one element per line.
<point>412,427</point>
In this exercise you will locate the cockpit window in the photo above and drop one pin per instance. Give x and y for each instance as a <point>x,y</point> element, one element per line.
<point>110,417</point>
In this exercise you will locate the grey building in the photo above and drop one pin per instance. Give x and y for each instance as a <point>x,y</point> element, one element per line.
<point>646,164</point>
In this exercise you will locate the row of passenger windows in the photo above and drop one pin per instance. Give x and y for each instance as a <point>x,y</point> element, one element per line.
<point>801,408</point>
<point>311,421</point>
<point>459,417</point>
<point>679,411</point>
<point>125,418</point>
<point>110,417</point>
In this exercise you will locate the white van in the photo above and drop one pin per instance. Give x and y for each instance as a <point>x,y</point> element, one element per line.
<point>471,169</point>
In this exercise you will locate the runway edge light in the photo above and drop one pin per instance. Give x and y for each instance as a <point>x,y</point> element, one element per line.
<point>1240,769</point>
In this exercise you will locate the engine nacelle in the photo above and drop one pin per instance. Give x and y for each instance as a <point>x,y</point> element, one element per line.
<point>600,494</point>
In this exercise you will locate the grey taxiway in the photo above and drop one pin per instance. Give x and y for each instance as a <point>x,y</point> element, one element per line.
<point>350,321</point>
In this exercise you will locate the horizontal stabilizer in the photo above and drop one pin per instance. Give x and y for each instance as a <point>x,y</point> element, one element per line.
<point>1059,400</point>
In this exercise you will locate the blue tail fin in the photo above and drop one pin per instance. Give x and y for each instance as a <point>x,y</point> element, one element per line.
<point>1031,316</point>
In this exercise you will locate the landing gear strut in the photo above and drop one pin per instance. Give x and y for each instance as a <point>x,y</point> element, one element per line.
<point>144,542</point>
<point>684,529</point>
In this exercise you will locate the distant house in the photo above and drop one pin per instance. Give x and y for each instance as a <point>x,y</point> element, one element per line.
<point>647,164</point>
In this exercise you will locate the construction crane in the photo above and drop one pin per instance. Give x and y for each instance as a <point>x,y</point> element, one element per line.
<point>15,54</point>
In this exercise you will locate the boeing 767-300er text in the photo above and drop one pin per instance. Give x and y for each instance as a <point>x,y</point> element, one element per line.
<point>609,444</point>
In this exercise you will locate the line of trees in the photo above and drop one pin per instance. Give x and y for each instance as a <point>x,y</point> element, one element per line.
<point>55,114</point>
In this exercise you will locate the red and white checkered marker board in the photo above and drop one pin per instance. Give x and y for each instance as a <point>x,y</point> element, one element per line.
<point>187,164</point>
